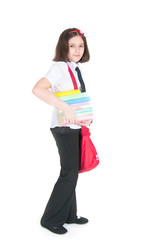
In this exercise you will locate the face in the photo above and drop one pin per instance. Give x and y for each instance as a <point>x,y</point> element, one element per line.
<point>76,48</point>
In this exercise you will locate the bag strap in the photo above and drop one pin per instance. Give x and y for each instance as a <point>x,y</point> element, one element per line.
<point>73,78</point>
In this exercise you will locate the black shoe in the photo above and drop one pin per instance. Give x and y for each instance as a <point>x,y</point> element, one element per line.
<point>80,220</point>
<point>57,230</point>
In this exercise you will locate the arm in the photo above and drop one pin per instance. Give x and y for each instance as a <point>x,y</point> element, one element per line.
<point>41,90</point>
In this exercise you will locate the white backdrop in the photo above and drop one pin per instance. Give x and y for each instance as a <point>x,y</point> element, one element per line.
<point>120,197</point>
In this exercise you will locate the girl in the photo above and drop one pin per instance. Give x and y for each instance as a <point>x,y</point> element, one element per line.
<point>70,50</point>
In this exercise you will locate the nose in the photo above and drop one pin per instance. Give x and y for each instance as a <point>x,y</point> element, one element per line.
<point>77,49</point>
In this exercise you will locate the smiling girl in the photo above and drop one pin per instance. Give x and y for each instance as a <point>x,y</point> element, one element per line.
<point>71,50</point>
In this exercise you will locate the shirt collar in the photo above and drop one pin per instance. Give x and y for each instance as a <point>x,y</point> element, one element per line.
<point>73,64</point>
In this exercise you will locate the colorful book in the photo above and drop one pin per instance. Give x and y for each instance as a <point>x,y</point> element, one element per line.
<point>75,98</point>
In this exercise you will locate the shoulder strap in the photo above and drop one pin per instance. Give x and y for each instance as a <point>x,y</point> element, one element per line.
<point>73,78</point>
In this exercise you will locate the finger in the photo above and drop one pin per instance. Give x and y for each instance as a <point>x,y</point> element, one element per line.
<point>76,108</point>
<point>82,124</point>
<point>76,120</point>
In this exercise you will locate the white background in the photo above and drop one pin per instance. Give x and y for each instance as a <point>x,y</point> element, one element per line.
<point>120,197</point>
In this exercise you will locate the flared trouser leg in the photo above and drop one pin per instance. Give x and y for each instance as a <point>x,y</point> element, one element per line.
<point>62,206</point>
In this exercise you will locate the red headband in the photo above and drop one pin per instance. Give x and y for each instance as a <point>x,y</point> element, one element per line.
<point>79,31</point>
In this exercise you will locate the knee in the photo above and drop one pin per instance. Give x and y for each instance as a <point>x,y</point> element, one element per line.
<point>69,174</point>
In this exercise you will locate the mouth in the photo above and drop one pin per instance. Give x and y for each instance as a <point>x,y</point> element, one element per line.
<point>76,55</point>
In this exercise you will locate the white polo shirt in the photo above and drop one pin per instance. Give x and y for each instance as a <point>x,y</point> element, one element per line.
<point>60,80</point>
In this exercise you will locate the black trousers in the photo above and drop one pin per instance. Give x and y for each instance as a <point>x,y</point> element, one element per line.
<point>62,207</point>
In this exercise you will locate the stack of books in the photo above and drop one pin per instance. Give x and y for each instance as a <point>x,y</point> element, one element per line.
<point>75,98</point>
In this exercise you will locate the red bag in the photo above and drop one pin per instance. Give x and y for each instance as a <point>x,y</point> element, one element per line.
<point>89,156</point>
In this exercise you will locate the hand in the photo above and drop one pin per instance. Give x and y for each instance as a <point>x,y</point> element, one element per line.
<point>85,123</point>
<point>70,115</point>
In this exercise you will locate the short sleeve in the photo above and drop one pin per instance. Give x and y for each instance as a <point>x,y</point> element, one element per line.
<point>56,73</point>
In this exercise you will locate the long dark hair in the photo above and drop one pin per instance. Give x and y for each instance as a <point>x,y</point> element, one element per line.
<point>61,53</point>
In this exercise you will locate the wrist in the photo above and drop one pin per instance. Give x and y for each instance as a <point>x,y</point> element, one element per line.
<point>65,107</point>
<point>62,106</point>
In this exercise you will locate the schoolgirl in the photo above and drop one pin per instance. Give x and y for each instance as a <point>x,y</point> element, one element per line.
<point>71,50</point>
